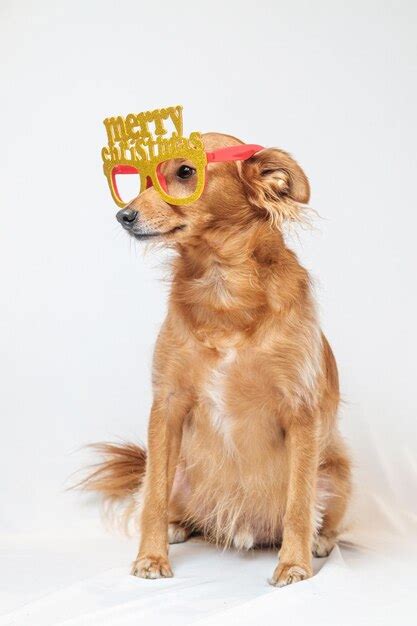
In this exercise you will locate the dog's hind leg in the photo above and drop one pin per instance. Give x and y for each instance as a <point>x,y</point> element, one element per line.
<point>177,533</point>
<point>335,476</point>
<point>178,529</point>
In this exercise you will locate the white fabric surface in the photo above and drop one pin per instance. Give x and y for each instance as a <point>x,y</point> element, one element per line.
<point>82,579</point>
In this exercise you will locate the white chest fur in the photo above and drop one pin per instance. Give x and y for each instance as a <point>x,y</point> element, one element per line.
<point>215,394</point>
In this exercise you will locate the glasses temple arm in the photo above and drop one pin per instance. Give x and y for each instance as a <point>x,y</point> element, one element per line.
<point>233,153</point>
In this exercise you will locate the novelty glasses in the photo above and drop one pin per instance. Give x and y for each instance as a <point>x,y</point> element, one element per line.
<point>138,157</point>
<point>178,180</point>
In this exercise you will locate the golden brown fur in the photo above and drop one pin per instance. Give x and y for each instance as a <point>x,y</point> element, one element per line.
<point>243,441</point>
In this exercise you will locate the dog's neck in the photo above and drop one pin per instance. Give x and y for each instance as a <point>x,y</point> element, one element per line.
<point>226,283</point>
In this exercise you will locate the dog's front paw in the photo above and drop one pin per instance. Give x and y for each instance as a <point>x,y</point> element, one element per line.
<point>322,545</point>
<point>287,574</point>
<point>152,567</point>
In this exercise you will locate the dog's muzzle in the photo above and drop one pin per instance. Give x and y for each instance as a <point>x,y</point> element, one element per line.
<point>134,224</point>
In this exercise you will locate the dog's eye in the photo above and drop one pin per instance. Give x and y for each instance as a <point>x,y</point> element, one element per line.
<point>185,171</point>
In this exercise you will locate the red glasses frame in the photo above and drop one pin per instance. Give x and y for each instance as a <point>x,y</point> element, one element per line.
<point>222,155</point>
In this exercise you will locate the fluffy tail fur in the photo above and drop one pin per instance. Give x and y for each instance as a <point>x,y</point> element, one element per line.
<point>117,476</point>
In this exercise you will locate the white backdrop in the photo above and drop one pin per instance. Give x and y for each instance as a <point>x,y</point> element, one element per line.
<point>335,84</point>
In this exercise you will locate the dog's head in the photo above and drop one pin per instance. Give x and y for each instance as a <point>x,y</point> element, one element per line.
<point>269,187</point>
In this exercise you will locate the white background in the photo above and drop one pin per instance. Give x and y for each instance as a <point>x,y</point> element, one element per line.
<point>333,83</point>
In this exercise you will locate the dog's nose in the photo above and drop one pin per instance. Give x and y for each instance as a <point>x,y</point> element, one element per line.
<point>126,217</point>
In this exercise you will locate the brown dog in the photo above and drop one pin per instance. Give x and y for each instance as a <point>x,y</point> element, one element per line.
<point>243,441</point>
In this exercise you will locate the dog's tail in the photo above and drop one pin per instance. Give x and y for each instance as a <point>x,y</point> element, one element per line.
<point>117,476</point>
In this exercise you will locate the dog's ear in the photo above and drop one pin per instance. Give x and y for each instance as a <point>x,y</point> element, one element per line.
<point>276,184</point>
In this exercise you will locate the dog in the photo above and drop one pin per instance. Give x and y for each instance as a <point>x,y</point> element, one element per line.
<point>243,441</point>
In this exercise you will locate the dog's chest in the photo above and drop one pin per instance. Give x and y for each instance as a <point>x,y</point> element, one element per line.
<point>215,392</point>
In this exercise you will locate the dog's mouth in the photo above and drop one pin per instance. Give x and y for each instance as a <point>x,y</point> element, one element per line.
<point>167,233</point>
